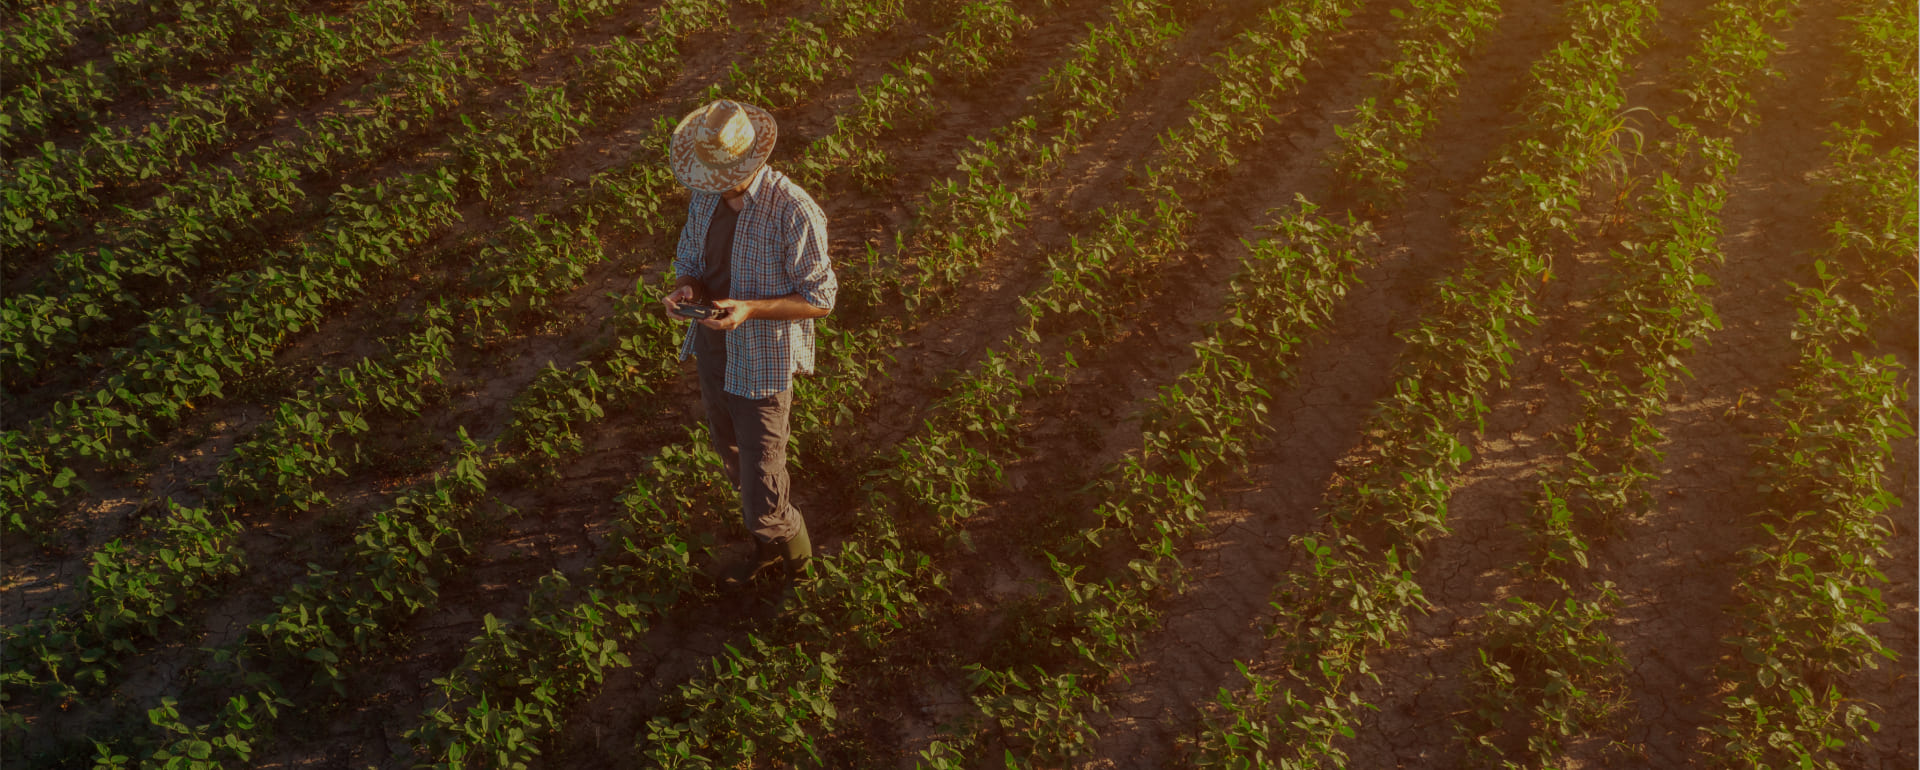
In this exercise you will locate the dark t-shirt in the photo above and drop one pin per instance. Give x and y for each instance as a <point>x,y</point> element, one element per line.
<point>717,280</point>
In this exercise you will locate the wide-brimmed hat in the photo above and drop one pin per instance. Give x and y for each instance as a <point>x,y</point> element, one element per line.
<point>720,145</point>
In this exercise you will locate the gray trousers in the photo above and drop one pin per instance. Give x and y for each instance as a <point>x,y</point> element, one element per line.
<point>751,436</point>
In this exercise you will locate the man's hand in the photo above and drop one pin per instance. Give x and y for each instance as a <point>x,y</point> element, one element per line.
<point>672,301</point>
<point>736,310</point>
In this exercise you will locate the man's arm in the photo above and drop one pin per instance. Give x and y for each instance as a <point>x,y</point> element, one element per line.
<point>791,307</point>
<point>807,264</point>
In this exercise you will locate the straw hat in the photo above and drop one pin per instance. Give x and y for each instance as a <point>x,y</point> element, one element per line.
<point>719,145</point>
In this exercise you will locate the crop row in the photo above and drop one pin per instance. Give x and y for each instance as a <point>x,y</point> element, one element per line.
<point>1810,592</point>
<point>1353,596</point>
<point>1809,595</point>
<point>214,220</point>
<point>188,352</point>
<point>208,216</point>
<point>45,31</point>
<point>1874,222</point>
<point>367,388</point>
<point>1036,711</point>
<point>1881,65</point>
<point>1548,671</point>
<point>49,190</point>
<point>52,96</point>
<point>1196,429</point>
<point>282,463</point>
<point>393,573</point>
<point>1383,138</point>
<point>132,588</point>
<point>905,99</point>
<point>187,348</point>
<point>42,33</point>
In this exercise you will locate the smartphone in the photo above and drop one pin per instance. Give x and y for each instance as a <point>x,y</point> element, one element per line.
<point>700,310</point>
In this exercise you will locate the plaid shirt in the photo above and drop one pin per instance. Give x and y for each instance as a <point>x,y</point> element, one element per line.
<point>779,248</point>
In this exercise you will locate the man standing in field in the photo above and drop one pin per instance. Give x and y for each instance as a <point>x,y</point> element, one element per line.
<point>751,272</point>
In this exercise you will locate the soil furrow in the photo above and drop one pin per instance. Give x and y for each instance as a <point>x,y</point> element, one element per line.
<point>1677,567</point>
<point>1318,419</point>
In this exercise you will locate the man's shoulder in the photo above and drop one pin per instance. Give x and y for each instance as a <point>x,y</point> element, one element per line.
<point>787,192</point>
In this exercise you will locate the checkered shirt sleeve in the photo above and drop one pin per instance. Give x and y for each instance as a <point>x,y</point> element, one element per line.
<point>779,248</point>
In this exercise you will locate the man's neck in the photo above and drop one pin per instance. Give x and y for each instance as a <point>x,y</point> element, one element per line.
<point>737,199</point>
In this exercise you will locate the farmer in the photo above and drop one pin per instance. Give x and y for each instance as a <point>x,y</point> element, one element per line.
<point>754,251</point>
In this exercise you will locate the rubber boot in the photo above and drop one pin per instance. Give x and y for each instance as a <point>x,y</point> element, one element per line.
<point>742,572</point>
<point>794,555</point>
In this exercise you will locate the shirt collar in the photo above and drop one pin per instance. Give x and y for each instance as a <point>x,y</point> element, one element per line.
<point>754,188</point>
<point>759,180</point>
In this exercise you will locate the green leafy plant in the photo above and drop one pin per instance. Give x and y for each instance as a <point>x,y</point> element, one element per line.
<point>787,695</point>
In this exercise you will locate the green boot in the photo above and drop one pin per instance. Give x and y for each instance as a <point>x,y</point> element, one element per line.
<point>795,553</point>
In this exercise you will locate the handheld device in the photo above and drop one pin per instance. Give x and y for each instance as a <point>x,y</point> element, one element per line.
<point>700,309</point>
